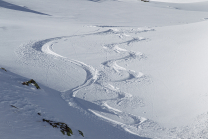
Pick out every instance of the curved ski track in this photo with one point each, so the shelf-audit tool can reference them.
(42, 51)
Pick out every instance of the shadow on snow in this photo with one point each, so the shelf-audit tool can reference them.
(7, 5)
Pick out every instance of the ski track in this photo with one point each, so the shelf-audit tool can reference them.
(42, 52)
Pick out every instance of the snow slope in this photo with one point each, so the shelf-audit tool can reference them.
(180, 1)
(20, 105)
(113, 69)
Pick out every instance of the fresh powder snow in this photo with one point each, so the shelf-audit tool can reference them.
(107, 69)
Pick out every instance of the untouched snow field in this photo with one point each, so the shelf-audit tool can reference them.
(113, 69)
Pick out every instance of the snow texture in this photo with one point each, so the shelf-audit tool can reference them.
(113, 69)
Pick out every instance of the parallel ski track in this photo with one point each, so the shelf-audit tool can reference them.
(93, 76)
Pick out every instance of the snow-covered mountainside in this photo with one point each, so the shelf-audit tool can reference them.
(180, 1)
(110, 69)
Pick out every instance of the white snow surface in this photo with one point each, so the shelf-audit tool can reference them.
(114, 69)
(180, 1)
